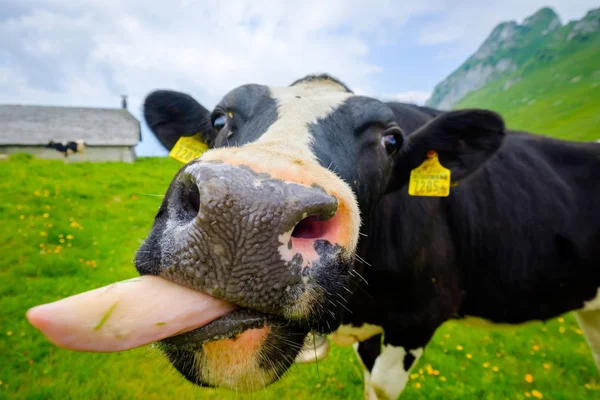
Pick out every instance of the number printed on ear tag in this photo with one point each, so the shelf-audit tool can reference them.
(188, 148)
(430, 179)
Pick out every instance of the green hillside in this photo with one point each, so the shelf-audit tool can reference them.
(68, 228)
(556, 93)
(552, 85)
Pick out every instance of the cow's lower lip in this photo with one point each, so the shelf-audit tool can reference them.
(224, 327)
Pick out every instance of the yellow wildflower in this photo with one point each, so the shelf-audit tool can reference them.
(537, 394)
(495, 368)
(418, 385)
(546, 366)
(469, 356)
(459, 347)
(529, 378)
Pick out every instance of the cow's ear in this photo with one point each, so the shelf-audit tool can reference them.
(171, 114)
(464, 140)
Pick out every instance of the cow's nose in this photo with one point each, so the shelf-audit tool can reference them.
(245, 209)
(209, 192)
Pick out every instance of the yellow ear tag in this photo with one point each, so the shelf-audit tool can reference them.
(188, 148)
(430, 179)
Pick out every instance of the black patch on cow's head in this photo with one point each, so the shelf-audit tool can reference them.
(348, 142)
(249, 110)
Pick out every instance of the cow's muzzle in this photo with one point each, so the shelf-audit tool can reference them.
(245, 237)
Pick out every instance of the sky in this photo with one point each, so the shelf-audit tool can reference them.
(87, 53)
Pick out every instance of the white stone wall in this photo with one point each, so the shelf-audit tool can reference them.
(91, 154)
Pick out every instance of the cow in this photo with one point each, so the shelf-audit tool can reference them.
(67, 148)
(300, 214)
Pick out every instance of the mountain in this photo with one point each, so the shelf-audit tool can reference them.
(540, 75)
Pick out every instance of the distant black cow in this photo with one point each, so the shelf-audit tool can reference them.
(270, 218)
(67, 148)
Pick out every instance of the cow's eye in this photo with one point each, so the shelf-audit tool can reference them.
(391, 144)
(219, 122)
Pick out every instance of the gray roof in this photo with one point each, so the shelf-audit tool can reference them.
(38, 125)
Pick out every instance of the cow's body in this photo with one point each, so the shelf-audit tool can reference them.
(513, 243)
(518, 238)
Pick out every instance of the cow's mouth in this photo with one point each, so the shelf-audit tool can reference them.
(243, 350)
(228, 326)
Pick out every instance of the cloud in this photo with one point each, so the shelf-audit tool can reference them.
(88, 53)
(413, 96)
(206, 47)
(469, 22)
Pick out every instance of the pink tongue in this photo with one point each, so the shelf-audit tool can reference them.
(125, 315)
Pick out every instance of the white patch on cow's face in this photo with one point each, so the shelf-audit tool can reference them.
(592, 304)
(388, 376)
(348, 334)
(297, 107)
(285, 151)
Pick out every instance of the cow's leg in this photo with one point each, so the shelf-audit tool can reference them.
(589, 321)
(392, 369)
(367, 352)
(315, 348)
(386, 368)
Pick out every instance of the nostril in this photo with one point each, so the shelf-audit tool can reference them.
(190, 198)
(310, 228)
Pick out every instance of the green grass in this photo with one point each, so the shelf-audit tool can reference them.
(68, 228)
(557, 96)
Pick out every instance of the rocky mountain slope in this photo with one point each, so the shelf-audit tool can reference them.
(513, 49)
